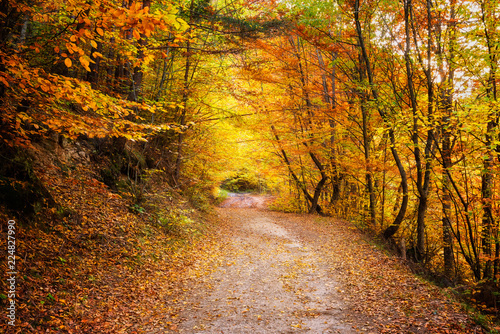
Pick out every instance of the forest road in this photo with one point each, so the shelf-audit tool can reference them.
(272, 279)
(274, 272)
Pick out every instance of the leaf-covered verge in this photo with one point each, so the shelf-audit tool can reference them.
(90, 259)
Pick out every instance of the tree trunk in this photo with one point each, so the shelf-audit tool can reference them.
(331, 100)
(368, 175)
(138, 74)
(423, 170)
(185, 98)
(445, 105)
(393, 228)
(490, 233)
(313, 201)
(449, 261)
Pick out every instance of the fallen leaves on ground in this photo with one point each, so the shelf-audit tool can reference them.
(90, 264)
(96, 266)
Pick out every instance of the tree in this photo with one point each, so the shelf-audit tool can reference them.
(392, 229)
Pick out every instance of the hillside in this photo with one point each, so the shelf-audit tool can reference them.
(89, 259)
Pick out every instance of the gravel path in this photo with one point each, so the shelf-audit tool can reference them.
(286, 273)
(235, 200)
(270, 282)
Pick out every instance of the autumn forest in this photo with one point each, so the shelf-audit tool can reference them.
(124, 123)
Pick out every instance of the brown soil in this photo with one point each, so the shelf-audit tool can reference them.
(285, 273)
(246, 201)
(270, 282)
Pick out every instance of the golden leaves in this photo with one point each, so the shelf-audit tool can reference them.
(85, 63)
(45, 88)
(77, 47)
(50, 94)
(73, 48)
(136, 34)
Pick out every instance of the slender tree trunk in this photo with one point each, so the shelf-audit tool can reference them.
(488, 237)
(445, 105)
(24, 30)
(338, 176)
(449, 260)
(319, 185)
(314, 206)
(490, 232)
(423, 169)
(393, 228)
(368, 175)
(310, 115)
(331, 100)
(138, 74)
(167, 67)
(185, 98)
(422, 204)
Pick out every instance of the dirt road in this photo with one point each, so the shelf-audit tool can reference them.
(235, 200)
(286, 273)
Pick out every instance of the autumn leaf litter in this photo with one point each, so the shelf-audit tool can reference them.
(253, 271)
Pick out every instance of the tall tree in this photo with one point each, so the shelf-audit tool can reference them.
(392, 229)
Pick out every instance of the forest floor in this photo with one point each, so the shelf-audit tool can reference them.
(245, 269)
(287, 273)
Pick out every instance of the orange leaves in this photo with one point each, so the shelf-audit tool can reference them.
(45, 88)
(85, 62)
(77, 34)
(73, 48)
(3, 79)
(136, 34)
(148, 28)
(48, 97)
(140, 19)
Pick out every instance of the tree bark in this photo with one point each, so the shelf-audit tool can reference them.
(490, 233)
(368, 175)
(185, 98)
(313, 201)
(138, 74)
(423, 169)
(445, 105)
(331, 100)
(393, 228)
